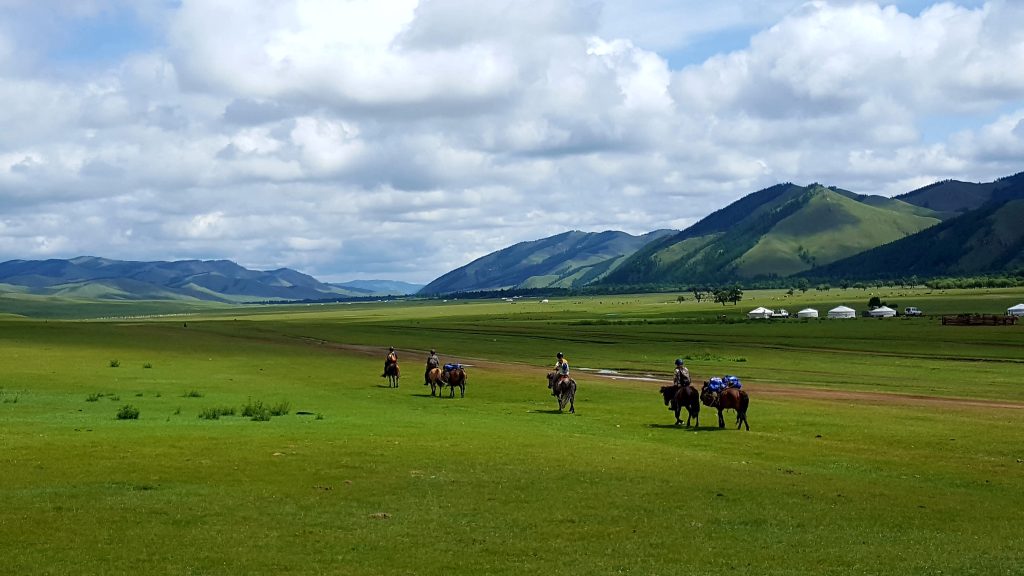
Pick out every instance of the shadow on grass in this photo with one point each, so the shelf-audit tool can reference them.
(683, 427)
(554, 411)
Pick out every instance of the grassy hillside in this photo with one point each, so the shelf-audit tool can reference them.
(828, 227)
(987, 240)
(779, 231)
(566, 260)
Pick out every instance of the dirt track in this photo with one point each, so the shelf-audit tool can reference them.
(762, 389)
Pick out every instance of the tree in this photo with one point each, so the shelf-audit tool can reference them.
(874, 302)
(722, 295)
(735, 294)
(803, 284)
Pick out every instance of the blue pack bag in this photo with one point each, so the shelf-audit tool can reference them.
(733, 382)
(716, 384)
(450, 367)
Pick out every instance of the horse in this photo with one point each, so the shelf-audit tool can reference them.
(564, 390)
(393, 373)
(436, 380)
(728, 399)
(455, 377)
(683, 396)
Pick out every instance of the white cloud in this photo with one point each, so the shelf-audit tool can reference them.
(402, 139)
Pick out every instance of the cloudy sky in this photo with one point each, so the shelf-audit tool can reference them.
(401, 139)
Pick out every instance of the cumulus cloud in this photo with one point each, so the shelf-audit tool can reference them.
(364, 139)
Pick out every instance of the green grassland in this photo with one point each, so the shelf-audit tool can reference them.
(358, 478)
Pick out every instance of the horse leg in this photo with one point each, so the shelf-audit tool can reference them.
(721, 421)
(572, 403)
(462, 391)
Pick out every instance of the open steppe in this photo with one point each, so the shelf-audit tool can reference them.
(889, 446)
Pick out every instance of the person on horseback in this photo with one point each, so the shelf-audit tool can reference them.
(392, 358)
(682, 376)
(432, 362)
(562, 369)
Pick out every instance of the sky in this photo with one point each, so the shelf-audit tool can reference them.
(400, 139)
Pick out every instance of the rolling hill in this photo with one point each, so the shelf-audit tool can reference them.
(93, 278)
(569, 260)
(988, 239)
(778, 231)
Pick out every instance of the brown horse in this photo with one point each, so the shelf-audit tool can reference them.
(728, 399)
(393, 373)
(455, 377)
(436, 380)
(678, 397)
(564, 389)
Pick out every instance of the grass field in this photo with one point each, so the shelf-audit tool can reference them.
(918, 472)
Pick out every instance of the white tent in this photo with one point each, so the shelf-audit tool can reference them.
(760, 313)
(842, 312)
(807, 313)
(882, 312)
(1017, 310)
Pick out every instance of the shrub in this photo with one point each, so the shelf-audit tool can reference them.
(147, 365)
(128, 412)
(193, 394)
(115, 363)
(93, 397)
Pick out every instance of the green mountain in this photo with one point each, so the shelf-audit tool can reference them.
(88, 277)
(568, 260)
(988, 239)
(779, 231)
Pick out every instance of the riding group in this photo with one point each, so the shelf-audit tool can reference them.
(719, 393)
(452, 375)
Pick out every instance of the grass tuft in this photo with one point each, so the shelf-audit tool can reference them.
(216, 412)
(193, 394)
(115, 363)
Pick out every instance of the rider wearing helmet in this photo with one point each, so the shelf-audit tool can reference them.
(561, 369)
(682, 376)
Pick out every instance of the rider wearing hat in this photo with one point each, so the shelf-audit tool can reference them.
(432, 362)
(392, 358)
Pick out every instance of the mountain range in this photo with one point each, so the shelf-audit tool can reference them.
(949, 228)
(944, 229)
(89, 277)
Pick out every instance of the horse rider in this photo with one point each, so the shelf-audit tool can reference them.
(392, 358)
(682, 376)
(432, 362)
(562, 370)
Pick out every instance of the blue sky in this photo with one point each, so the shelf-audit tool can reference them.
(363, 139)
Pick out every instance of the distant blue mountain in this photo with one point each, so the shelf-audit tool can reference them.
(214, 280)
(380, 287)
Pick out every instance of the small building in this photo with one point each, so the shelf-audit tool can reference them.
(1017, 310)
(759, 313)
(882, 312)
(842, 312)
(807, 313)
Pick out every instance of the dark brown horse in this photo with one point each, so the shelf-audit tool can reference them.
(392, 373)
(564, 389)
(455, 377)
(678, 397)
(728, 399)
(436, 380)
